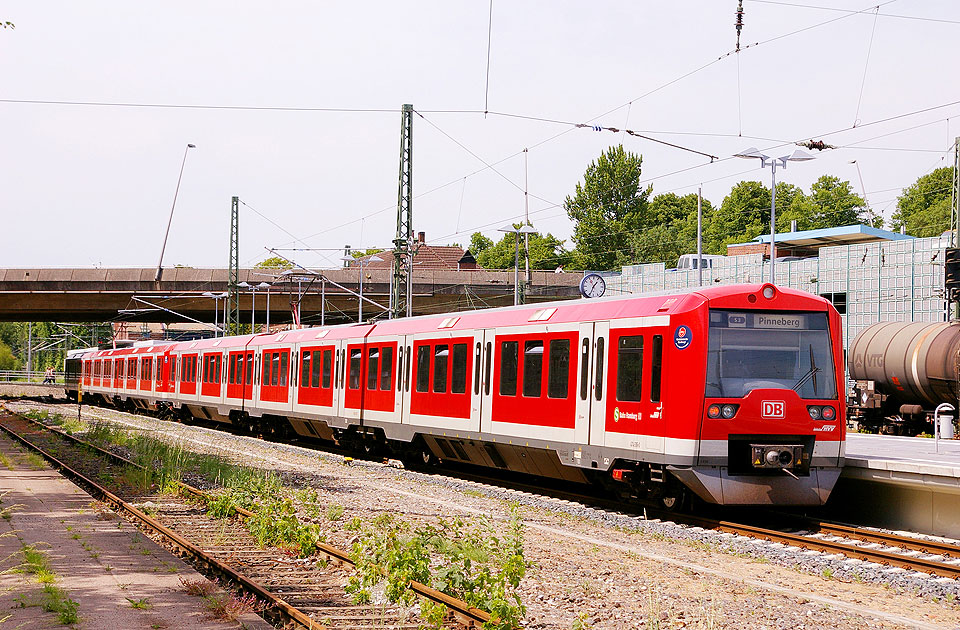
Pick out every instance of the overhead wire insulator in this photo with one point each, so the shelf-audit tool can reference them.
(819, 145)
(739, 22)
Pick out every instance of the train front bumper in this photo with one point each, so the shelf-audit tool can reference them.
(717, 485)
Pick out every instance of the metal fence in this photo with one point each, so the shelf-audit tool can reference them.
(22, 376)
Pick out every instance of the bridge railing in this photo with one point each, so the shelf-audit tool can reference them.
(23, 376)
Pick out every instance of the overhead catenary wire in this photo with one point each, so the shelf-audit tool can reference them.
(866, 65)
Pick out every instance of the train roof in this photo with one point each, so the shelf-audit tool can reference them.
(555, 312)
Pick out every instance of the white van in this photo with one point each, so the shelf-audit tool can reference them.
(689, 261)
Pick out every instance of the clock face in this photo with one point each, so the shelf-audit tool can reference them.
(592, 286)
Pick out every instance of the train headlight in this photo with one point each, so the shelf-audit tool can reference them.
(828, 413)
(728, 411)
(769, 292)
(713, 411)
(815, 412)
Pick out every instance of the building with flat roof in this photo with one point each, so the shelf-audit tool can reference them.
(869, 275)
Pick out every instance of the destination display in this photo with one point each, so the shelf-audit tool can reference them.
(767, 320)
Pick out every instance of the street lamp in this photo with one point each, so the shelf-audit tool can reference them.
(863, 189)
(253, 303)
(216, 308)
(526, 229)
(766, 160)
(156, 278)
(361, 262)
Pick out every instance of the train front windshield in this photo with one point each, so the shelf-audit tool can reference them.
(769, 350)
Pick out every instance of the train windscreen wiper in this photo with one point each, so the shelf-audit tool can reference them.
(812, 372)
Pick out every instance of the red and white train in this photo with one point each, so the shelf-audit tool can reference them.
(729, 392)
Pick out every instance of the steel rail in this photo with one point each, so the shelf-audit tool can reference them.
(924, 545)
(466, 614)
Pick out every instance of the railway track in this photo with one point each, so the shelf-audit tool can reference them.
(907, 552)
(305, 592)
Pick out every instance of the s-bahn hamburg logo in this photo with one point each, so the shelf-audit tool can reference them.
(681, 337)
(771, 409)
(616, 414)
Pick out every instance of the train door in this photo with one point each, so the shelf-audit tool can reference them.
(583, 384)
(487, 339)
(597, 380)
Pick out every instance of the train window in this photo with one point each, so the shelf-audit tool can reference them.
(486, 370)
(558, 368)
(373, 366)
(219, 362)
(326, 369)
(458, 384)
(440, 355)
(386, 367)
(305, 368)
(598, 371)
(406, 378)
(400, 368)
(584, 368)
(356, 357)
(159, 369)
(173, 370)
(283, 369)
(423, 368)
(249, 368)
(508, 367)
(310, 371)
(656, 368)
(476, 369)
(629, 368)
(232, 377)
(532, 368)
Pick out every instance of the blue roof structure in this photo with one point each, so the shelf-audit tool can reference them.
(843, 235)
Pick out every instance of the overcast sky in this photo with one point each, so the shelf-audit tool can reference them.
(84, 185)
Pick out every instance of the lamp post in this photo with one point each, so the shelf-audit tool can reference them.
(216, 308)
(159, 273)
(863, 189)
(361, 263)
(525, 230)
(765, 161)
(253, 288)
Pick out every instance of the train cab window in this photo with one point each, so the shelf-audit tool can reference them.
(476, 369)
(584, 368)
(458, 381)
(656, 367)
(305, 369)
(386, 367)
(440, 355)
(598, 371)
(508, 367)
(558, 368)
(486, 370)
(356, 357)
(326, 369)
(283, 368)
(532, 368)
(629, 368)
(423, 368)
(373, 366)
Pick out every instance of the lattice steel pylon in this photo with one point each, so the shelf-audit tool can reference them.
(232, 323)
(955, 197)
(401, 291)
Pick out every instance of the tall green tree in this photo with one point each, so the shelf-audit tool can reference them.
(546, 252)
(924, 206)
(831, 203)
(671, 230)
(479, 244)
(606, 208)
(743, 215)
(274, 262)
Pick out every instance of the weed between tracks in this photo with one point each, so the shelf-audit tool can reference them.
(466, 559)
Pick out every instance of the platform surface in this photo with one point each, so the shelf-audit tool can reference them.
(886, 456)
(119, 577)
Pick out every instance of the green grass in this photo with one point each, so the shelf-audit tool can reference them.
(34, 461)
(140, 604)
(5, 461)
(53, 598)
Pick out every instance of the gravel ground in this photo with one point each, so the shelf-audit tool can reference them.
(611, 570)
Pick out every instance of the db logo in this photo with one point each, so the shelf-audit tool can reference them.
(771, 409)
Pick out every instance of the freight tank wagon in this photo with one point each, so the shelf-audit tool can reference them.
(729, 393)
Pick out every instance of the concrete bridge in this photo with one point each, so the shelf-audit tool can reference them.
(97, 295)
